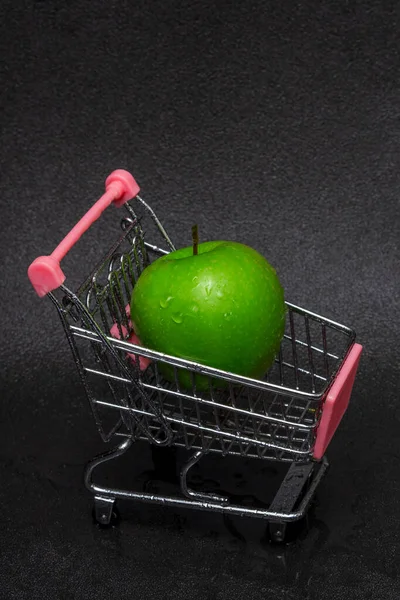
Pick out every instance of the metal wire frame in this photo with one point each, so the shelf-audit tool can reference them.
(276, 418)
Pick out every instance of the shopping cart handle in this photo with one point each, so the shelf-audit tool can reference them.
(45, 273)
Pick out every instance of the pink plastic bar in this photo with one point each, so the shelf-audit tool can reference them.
(337, 401)
(45, 272)
(132, 339)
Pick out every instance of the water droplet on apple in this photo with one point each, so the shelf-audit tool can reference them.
(165, 302)
(208, 289)
(195, 308)
(177, 318)
(195, 279)
(227, 315)
(219, 294)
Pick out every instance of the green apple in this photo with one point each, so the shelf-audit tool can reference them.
(223, 307)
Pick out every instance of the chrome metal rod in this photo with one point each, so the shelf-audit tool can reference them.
(178, 502)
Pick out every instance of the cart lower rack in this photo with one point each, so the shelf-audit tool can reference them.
(289, 417)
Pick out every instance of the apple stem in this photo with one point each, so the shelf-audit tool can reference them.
(195, 238)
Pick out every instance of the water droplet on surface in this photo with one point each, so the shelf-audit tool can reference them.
(219, 294)
(227, 315)
(195, 279)
(177, 318)
(195, 308)
(208, 289)
(166, 301)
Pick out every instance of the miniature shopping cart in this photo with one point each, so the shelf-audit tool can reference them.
(290, 416)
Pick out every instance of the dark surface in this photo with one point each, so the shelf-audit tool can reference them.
(271, 123)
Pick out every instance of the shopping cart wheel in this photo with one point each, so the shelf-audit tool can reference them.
(293, 489)
(286, 533)
(105, 513)
(277, 532)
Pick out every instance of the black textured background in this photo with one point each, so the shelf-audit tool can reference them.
(272, 123)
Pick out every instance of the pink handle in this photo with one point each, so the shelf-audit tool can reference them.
(337, 401)
(45, 272)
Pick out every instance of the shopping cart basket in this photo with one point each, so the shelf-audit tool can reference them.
(290, 416)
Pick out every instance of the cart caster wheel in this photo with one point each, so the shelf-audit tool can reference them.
(277, 532)
(114, 521)
(287, 533)
(105, 514)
